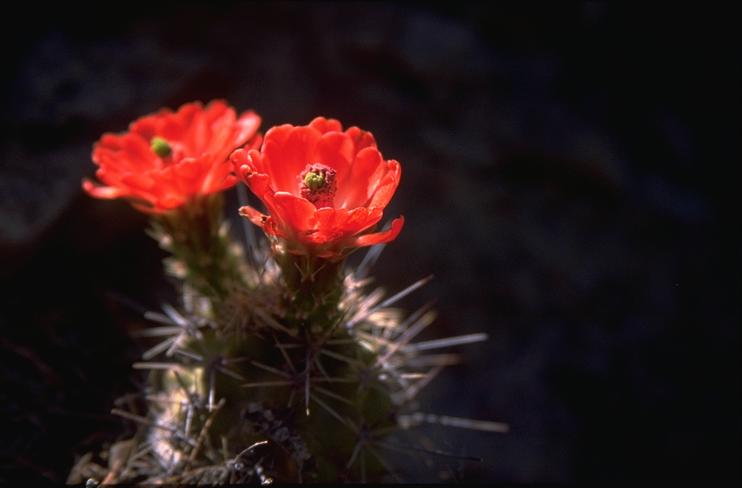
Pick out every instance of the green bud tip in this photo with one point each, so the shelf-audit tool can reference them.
(161, 147)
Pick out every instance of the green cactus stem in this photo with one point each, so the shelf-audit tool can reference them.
(290, 373)
(203, 254)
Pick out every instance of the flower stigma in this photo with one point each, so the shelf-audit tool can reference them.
(318, 185)
(161, 147)
(314, 181)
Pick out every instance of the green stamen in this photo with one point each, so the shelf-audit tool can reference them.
(161, 147)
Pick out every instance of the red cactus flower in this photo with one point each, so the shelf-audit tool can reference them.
(168, 158)
(323, 187)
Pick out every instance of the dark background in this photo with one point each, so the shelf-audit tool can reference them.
(570, 175)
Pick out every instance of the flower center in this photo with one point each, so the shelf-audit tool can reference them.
(317, 184)
(160, 147)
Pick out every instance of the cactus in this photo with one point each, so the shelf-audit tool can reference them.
(276, 365)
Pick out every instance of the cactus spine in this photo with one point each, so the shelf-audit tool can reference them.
(274, 367)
